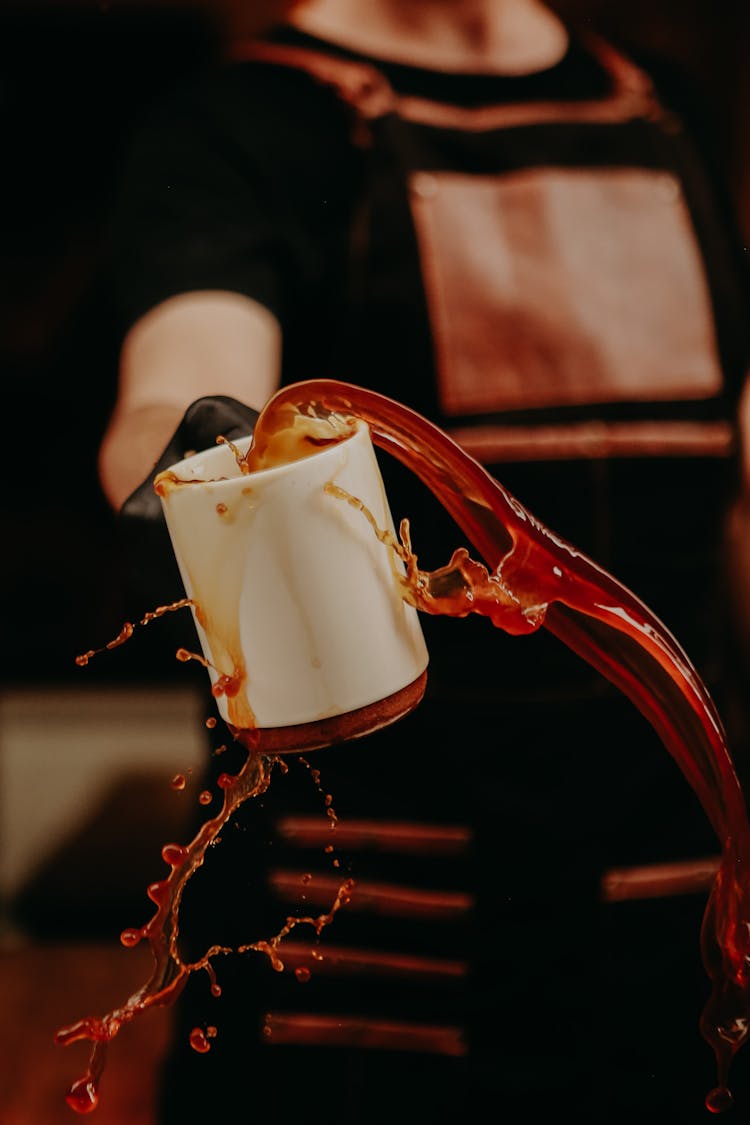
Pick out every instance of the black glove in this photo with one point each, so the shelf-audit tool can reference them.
(151, 573)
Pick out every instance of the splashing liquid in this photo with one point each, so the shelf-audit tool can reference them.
(529, 578)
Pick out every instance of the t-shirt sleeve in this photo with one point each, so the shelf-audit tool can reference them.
(237, 183)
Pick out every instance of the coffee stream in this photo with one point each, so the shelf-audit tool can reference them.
(528, 578)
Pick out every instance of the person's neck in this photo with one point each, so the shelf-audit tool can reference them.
(482, 36)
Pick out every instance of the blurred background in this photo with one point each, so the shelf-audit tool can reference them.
(87, 754)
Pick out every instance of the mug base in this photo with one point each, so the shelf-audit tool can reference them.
(335, 728)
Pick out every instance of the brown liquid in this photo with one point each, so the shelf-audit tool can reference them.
(528, 578)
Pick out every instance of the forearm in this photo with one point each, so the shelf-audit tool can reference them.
(194, 345)
(131, 446)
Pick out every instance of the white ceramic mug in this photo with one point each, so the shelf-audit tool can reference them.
(296, 602)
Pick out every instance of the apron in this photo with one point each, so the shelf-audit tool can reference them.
(556, 292)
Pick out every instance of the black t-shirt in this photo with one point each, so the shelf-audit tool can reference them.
(250, 181)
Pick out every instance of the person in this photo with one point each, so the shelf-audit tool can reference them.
(501, 221)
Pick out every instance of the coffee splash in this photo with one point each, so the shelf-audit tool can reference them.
(528, 578)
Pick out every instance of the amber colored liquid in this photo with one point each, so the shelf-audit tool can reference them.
(528, 578)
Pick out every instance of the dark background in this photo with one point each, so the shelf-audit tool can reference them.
(75, 79)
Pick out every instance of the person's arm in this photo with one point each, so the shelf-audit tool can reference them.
(194, 344)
